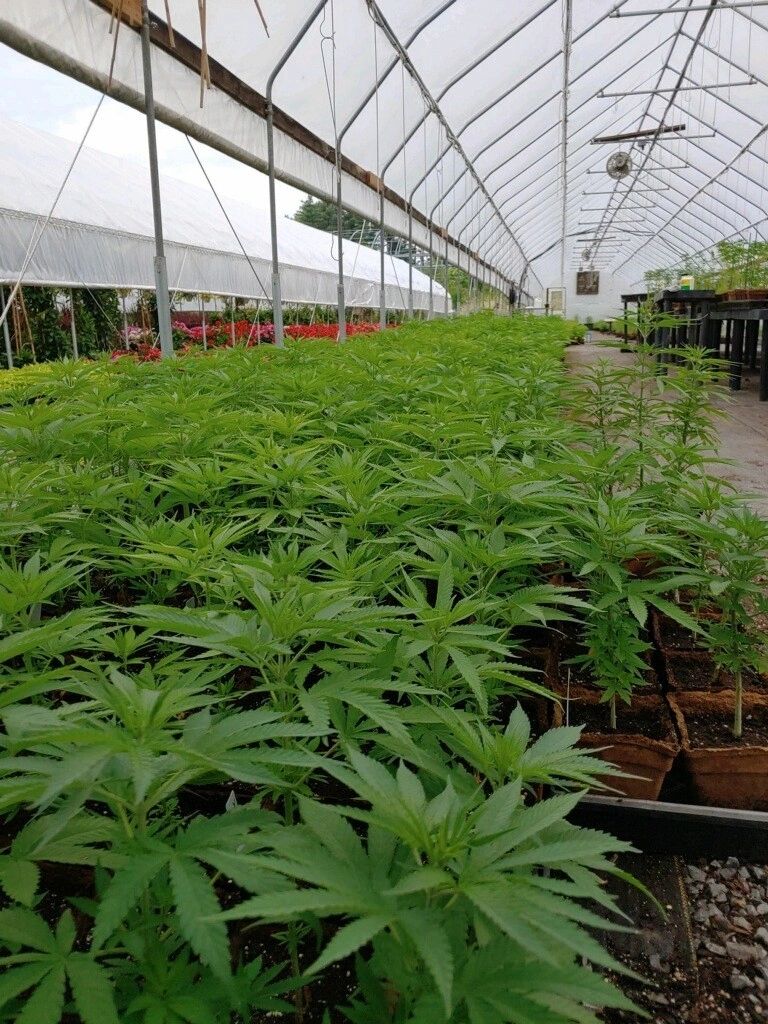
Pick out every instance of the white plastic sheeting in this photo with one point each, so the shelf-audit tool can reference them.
(101, 233)
(494, 71)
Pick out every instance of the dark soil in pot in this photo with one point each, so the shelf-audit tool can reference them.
(695, 670)
(705, 730)
(671, 636)
(724, 771)
(642, 718)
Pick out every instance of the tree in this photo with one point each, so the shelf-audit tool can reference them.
(104, 308)
(319, 213)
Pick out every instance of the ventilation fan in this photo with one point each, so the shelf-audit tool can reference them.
(619, 165)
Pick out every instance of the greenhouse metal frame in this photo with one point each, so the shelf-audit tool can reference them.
(434, 167)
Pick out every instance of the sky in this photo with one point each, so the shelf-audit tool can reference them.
(42, 98)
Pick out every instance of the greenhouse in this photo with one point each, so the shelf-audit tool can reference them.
(384, 512)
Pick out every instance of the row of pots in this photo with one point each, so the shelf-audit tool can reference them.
(727, 775)
(678, 731)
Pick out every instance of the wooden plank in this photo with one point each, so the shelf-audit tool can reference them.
(661, 948)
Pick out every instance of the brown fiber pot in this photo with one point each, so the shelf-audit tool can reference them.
(723, 776)
(649, 759)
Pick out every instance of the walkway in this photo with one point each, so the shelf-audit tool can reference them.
(743, 430)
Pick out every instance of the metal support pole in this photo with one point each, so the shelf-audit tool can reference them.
(737, 355)
(567, 32)
(232, 321)
(382, 292)
(750, 343)
(7, 333)
(277, 300)
(447, 292)
(431, 276)
(410, 262)
(161, 269)
(341, 302)
(72, 325)
(203, 324)
(125, 321)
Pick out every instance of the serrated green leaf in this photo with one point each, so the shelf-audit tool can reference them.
(24, 928)
(19, 879)
(46, 1003)
(123, 893)
(196, 908)
(349, 940)
(92, 990)
(428, 935)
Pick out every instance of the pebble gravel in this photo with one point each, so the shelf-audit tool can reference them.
(729, 921)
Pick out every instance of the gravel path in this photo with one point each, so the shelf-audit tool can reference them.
(729, 911)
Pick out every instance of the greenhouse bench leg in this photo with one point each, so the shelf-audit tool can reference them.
(737, 355)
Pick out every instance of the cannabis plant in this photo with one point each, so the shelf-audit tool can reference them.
(739, 553)
(438, 896)
(264, 617)
(603, 538)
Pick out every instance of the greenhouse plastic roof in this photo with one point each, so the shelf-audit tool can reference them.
(102, 233)
(466, 122)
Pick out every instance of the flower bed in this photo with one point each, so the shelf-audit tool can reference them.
(225, 334)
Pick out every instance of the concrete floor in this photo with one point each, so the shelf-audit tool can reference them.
(743, 430)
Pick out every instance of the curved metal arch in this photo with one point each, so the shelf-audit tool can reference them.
(493, 49)
(713, 198)
(604, 227)
(680, 227)
(277, 308)
(468, 70)
(744, 149)
(546, 102)
(384, 24)
(680, 230)
(733, 106)
(624, 113)
(549, 152)
(392, 65)
(532, 74)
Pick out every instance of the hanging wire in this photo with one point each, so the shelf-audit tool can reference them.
(730, 55)
(330, 89)
(226, 215)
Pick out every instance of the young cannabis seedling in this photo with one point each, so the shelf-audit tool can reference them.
(739, 550)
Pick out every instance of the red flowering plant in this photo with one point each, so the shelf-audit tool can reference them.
(219, 334)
